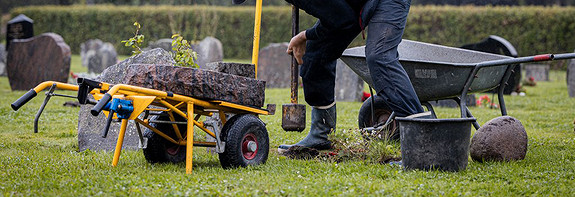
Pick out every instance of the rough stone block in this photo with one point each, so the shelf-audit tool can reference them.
(244, 70)
(42, 58)
(501, 139)
(539, 72)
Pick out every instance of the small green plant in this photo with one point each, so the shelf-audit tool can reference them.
(136, 41)
(183, 53)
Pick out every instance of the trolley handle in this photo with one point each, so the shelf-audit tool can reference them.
(23, 99)
(101, 104)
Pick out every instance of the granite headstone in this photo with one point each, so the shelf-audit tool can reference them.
(209, 50)
(348, 86)
(20, 27)
(98, 55)
(539, 72)
(571, 77)
(34, 60)
(274, 65)
(2, 60)
(471, 101)
(164, 43)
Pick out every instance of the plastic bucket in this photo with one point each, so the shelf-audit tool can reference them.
(435, 144)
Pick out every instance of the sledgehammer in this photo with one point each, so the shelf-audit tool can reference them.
(293, 114)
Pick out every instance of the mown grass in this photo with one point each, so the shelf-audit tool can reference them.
(48, 163)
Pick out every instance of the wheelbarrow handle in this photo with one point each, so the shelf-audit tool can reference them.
(101, 104)
(536, 58)
(23, 99)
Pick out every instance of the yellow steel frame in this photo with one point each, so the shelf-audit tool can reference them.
(142, 98)
(184, 106)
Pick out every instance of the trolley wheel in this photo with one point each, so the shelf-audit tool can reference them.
(160, 150)
(247, 142)
(380, 116)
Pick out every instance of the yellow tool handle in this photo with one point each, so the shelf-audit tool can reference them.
(257, 25)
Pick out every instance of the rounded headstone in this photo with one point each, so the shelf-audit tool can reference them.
(2, 60)
(501, 139)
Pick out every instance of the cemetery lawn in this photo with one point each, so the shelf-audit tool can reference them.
(48, 163)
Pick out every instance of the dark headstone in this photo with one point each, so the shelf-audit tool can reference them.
(90, 127)
(571, 77)
(348, 86)
(471, 101)
(539, 72)
(501, 139)
(164, 43)
(209, 50)
(2, 60)
(42, 58)
(274, 65)
(20, 27)
(98, 55)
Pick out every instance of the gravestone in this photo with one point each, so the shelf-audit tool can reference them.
(164, 43)
(274, 65)
(34, 60)
(209, 50)
(571, 77)
(539, 72)
(98, 55)
(348, 86)
(2, 60)
(20, 27)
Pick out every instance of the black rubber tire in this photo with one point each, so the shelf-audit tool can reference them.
(160, 150)
(234, 133)
(381, 114)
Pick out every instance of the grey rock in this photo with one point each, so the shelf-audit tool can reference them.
(34, 60)
(2, 60)
(501, 139)
(348, 86)
(539, 72)
(274, 65)
(571, 77)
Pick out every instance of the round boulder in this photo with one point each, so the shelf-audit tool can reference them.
(501, 139)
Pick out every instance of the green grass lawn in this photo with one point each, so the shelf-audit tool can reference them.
(48, 163)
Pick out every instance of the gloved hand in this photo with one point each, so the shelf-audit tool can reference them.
(296, 47)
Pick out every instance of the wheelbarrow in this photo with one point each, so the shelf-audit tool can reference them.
(440, 72)
(241, 140)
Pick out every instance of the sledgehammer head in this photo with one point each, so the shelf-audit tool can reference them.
(293, 117)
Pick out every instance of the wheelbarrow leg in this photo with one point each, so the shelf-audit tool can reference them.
(468, 112)
(120, 142)
(190, 138)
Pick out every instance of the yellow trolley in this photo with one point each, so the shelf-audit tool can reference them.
(170, 118)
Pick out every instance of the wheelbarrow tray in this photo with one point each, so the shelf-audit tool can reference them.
(436, 72)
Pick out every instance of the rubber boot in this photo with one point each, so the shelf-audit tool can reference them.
(322, 123)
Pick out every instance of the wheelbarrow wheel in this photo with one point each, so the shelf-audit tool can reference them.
(247, 142)
(160, 150)
(381, 113)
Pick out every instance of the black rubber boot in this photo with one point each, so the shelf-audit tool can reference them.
(322, 123)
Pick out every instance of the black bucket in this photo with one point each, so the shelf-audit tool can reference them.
(435, 144)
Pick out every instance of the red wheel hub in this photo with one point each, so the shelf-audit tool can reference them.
(249, 146)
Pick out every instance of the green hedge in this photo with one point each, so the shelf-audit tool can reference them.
(531, 30)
